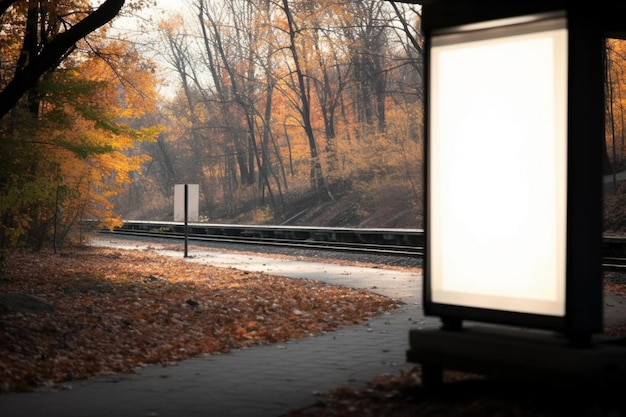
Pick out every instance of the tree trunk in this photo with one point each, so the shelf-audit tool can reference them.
(317, 177)
(53, 53)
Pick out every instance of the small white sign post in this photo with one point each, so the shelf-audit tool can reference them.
(186, 205)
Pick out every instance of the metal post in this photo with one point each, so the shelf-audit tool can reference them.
(186, 215)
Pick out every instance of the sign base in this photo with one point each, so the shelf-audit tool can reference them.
(495, 351)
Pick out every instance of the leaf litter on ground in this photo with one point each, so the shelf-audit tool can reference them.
(118, 310)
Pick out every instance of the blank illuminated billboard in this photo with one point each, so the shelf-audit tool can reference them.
(497, 167)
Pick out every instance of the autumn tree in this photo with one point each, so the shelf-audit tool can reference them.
(302, 87)
(204, 128)
(225, 102)
(615, 92)
(268, 101)
(49, 32)
(365, 28)
(61, 144)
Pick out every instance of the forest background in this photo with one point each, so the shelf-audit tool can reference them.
(283, 111)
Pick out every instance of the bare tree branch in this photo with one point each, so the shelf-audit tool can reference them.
(53, 52)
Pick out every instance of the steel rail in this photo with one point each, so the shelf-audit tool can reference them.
(292, 243)
(614, 264)
(615, 260)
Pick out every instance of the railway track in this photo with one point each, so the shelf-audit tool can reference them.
(263, 239)
(400, 242)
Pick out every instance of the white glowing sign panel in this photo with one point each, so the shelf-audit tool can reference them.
(193, 202)
(497, 171)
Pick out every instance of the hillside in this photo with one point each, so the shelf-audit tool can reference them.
(376, 207)
(383, 208)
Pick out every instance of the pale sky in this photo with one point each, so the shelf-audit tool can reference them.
(142, 29)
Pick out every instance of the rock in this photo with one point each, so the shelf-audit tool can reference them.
(23, 303)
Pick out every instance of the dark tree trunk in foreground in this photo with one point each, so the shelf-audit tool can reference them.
(53, 52)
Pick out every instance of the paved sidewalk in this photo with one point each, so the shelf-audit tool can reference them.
(259, 381)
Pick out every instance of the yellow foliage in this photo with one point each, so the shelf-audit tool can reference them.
(111, 223)
(65, 165)
(262, 215)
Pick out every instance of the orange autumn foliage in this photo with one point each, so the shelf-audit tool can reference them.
(64, 165)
